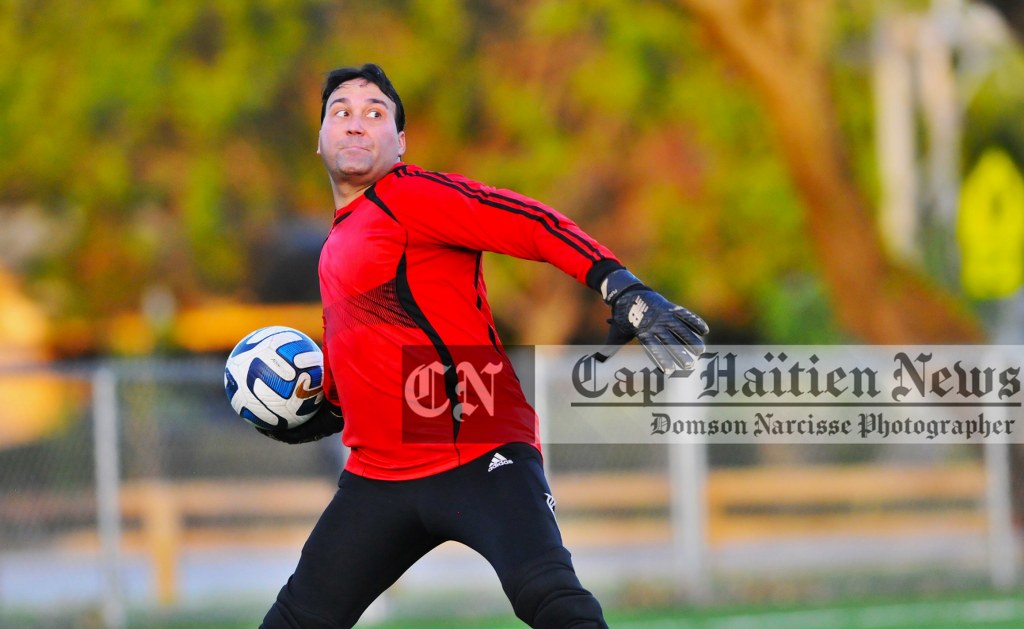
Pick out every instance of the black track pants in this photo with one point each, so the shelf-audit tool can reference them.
(373, 531)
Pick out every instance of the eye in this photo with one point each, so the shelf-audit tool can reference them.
(341, 113)
(375, 114)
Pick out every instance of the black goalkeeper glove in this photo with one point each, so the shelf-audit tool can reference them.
(671, 334)
(327, 421)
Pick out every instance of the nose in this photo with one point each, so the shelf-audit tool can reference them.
(354, 126)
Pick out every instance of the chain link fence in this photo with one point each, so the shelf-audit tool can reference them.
(207, 514)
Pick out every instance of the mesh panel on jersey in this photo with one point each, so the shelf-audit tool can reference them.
(376, 306)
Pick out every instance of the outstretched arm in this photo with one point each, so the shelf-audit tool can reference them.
(454, 210)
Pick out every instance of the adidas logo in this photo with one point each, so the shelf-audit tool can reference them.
(497, 461)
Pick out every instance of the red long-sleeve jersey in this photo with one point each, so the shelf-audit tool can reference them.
(411, 354)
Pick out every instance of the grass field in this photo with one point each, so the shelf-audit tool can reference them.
(990, 612)
(984, 611)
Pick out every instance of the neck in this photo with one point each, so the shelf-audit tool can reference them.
(348, 189)
(345, 194)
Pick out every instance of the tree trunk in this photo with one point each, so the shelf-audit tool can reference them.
(779, 46)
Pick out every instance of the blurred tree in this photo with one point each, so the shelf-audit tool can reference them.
(781, 46)
(161, 136)
(598, 117)
(170, 140)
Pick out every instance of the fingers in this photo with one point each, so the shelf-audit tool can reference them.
(673, 342)
(691, 320)
(686, 336)
(659, 354)
(680, 355)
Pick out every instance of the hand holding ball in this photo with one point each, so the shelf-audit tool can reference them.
(274, 378)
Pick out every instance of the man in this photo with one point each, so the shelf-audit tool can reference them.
(404, 302)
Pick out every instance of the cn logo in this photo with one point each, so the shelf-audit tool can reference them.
(425, 394)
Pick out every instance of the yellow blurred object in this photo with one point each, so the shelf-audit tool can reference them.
(130, 335)
(214, 327)
(31, 404)
(991, 227)
(220, 326)
(22, 324)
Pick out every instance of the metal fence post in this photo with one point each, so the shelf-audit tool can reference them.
(1002, 546)
(688, 481)
(108, 508)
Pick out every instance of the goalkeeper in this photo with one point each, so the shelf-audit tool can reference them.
(404, 299)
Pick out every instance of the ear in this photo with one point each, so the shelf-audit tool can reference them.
(401, 143)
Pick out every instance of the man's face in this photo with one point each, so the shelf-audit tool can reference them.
(359, 142)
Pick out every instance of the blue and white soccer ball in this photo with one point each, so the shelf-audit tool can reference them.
(274, 377)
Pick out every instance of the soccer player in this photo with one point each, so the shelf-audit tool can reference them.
(405, 308)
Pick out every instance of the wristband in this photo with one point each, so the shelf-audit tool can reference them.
(617, 282)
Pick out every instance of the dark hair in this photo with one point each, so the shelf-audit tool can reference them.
(372, 73)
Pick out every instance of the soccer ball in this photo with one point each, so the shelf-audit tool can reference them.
(274, 377)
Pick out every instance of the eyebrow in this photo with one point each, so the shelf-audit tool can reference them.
(345, 100)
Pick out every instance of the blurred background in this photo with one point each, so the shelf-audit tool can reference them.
(796, 171)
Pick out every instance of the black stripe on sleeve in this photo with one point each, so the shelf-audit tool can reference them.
(533, 212)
